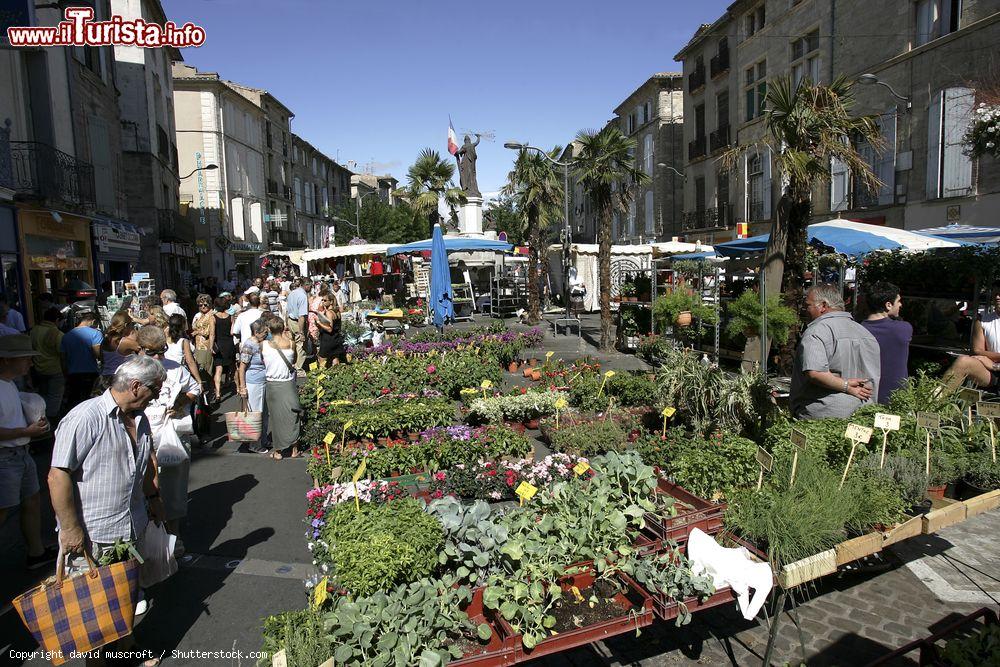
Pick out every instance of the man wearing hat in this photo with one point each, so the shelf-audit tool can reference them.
(18, 475)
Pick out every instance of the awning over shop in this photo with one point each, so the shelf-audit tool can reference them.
(966, 233)
(453, 244)
(334, 252)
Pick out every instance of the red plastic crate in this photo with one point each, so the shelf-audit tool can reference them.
(702, 514)
(500, 649)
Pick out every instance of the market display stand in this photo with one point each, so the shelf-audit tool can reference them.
(928, 646)
(507, 296)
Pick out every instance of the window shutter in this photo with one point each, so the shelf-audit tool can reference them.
(838, 185)
(887, 164)
(239, 231)
(766, 164)
(934, 147)
(958, 103)
(649, 211)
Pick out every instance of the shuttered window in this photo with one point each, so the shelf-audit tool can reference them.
(949, 169)
(648, 210)
(647, 153)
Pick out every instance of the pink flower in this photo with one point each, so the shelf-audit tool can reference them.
(431, 369)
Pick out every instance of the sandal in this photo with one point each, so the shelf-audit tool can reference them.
(296, 454)
(276, 456)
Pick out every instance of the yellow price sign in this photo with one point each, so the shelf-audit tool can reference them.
(320, 594)
(343, 435)
(329, 438)
(525, 491)
(485, 384)
(313, 366)
(668, 412)
(357, 475)
(607, 376)
(561, 404)
(576, 593)
(548, 355)
(320, 392)
(581, 468)
(320, 377)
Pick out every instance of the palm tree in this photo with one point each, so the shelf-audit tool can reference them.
(605, 165)
(429, 180)
(537, 193)
(807, 126)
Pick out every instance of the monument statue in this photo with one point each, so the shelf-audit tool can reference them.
(466, 157)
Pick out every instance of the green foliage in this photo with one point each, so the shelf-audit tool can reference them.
(377, 418)
(907, 474)
(654, 348)
(948, 271)
(715, 468)
(301, 634)
(669, 573)
(517, 408)
(982, 472)
(628, 389)
(589, 438)
(472, 538)
(745, 317)
(976, 649)
(878, 501)
(681, 299)
(502, 215)
(380, 222)
(708, 399)
(375, 547)
(412, 624)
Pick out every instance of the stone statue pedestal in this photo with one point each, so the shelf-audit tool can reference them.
(470, 218)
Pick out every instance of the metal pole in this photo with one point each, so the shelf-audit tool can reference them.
(773, 631)
(567, 241)
(718, 312)
(763, 324)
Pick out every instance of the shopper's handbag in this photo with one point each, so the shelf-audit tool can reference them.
(202, 416)
(83, 612)
(244, 426)
(158, 562)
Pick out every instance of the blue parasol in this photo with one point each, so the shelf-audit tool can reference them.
(441, 303)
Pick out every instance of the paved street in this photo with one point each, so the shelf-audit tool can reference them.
(247, 558)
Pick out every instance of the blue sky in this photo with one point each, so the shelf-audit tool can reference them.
(374, 82)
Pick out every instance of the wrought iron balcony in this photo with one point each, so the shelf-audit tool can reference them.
(711, 219)
(755, 211)
(6, 168)
(696, 79)
(696, 148)
(174, 226)
(719, 64)
(719, 139)
(40, 171)
(287, 238)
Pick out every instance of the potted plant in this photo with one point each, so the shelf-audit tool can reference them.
(627, 290)
(628, 328)
(745, 317)
(982, 475)
(643, 287)
(679, 306)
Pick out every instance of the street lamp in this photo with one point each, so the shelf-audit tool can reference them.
(872, 80)
(357, 213)
(207, 167)
(567, 232)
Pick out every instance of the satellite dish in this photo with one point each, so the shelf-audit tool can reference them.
(502, 236)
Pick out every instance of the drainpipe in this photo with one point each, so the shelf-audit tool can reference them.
(225, 174)
(833, 32)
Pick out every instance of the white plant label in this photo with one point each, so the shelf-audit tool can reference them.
(858, 433)
(886, 422)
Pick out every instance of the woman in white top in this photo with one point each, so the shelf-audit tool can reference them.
(983, 367)
(179, 347)
(281, 396)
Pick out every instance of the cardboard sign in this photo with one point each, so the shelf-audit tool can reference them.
(858, 433)
(886, 422)
(954, 382)
(928, 420)
(988, 410)
(581, 468)
(970, 396)
(668, 412)
(313, 366)
(485, 384)
(525, 491)
(320, 593)
(798, 439)
(329, 438)
(765, 459)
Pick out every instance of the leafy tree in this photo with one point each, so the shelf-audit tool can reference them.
(379, 222)
(502, 215)
(606, 168)
(806, 126)
(428, 183)
(537, 191)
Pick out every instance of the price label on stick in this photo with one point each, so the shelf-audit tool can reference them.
(668, 412)
(929, 420)
(988, 410)
(765, 459)
(485, 384)
(548, 355)
(798, 439)
(581, 468)
(858, 433)
(321, 377)
(329, 438)
(886, 422)
(320, 392)
(354, 480)
(313, 366)
(525, 491)
(320, 593)
(561, 404)
(970, 396)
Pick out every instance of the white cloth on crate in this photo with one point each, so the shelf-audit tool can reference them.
(731, 567)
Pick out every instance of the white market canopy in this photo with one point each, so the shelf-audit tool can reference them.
(335, 252)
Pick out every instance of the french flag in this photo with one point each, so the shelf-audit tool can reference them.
(452, 138)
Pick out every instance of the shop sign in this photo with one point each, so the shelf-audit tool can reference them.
(246, 246)
(108, 236)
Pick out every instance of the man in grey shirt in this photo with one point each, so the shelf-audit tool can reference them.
(837, 364)
(297, 312)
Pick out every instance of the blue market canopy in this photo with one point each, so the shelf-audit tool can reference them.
(966, 233)
(704, 255)
(847, 238)
(453, 244)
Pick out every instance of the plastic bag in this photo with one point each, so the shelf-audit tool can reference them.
(158, 554)
(183, 425)
(33, 406)
(170, 451)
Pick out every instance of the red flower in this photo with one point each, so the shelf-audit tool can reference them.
(431, 369)
(385, 390)
(322, 411)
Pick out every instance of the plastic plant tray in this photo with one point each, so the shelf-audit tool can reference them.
(699, 513)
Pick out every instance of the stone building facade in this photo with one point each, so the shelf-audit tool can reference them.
(313, 176)
(933, 54)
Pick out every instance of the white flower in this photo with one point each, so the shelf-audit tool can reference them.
(990, 144)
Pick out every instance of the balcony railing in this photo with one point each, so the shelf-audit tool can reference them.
(719, 64)
(174, 226)
(41, 171)
(696, 148)
(755, 211)
(711, 219)
(719, 139)
(696, 79)
(287, 238)
(6, 168)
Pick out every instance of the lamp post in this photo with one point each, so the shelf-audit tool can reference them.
(872, 80)
(357, 213)
(567, 234)
(207, 167)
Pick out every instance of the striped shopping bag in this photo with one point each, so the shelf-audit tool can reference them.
(83, 612)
